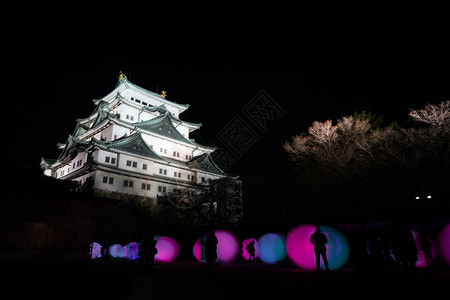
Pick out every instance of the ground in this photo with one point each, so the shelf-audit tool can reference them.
(119, 279)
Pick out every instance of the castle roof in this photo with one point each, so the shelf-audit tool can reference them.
(133, 144)
(162, 125)
(205, 162)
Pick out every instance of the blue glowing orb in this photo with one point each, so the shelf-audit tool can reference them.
(115, 250)
(272, 248)
(301, 251)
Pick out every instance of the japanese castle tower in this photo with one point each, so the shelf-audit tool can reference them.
(134, 143)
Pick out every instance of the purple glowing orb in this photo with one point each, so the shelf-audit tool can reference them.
(130, 251)
(244, 250)
(227, 247)
(443, 243)
(168, 249)
(272, 248)
(301, 251)
(96, 250)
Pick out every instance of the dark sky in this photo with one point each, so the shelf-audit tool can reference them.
(315, 63)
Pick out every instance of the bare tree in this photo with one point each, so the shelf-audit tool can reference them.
(339, 157)
(436, 115)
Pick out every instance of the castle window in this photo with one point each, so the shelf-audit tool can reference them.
(134, 164)
(128, 163)
(113, 160)
(107, 179)
(146, 186)
(128, 183)
(107, 159)
(144, 166)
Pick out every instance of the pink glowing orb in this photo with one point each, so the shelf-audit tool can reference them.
(115, 250)
(301, 251)
(96, 250)
(168, 249)
(443, 243)
(227, 247)
(272, 248)
(244, 251)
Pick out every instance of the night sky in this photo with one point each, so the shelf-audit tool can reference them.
(314, 63)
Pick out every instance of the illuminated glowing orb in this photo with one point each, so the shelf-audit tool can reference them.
(227, 247)
(244, 252)
(96, 250)
(115, 250)
(272, 248)
(301, 251)
(168, 248)
(443, 243)
(130, 251)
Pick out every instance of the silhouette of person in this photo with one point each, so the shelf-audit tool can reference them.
(210, 250)
(405, 248)
(251, 250)
(154, 250)
(144, 253)
(147, 252)
(319, 239)
(203, 243)
(426, 247)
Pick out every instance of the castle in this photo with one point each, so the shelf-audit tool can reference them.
(135, 144)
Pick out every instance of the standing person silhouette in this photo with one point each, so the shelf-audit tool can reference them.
(319, 239)
(251, 251)
(153, 250)
(211, 250)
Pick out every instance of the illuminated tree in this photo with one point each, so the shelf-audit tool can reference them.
(435, 115)
(335, 161)
(422, 153)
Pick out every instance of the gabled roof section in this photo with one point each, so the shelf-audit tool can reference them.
(205, 162)
(72, 146)
(133, 144)
(162, 125)
(123, 83)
